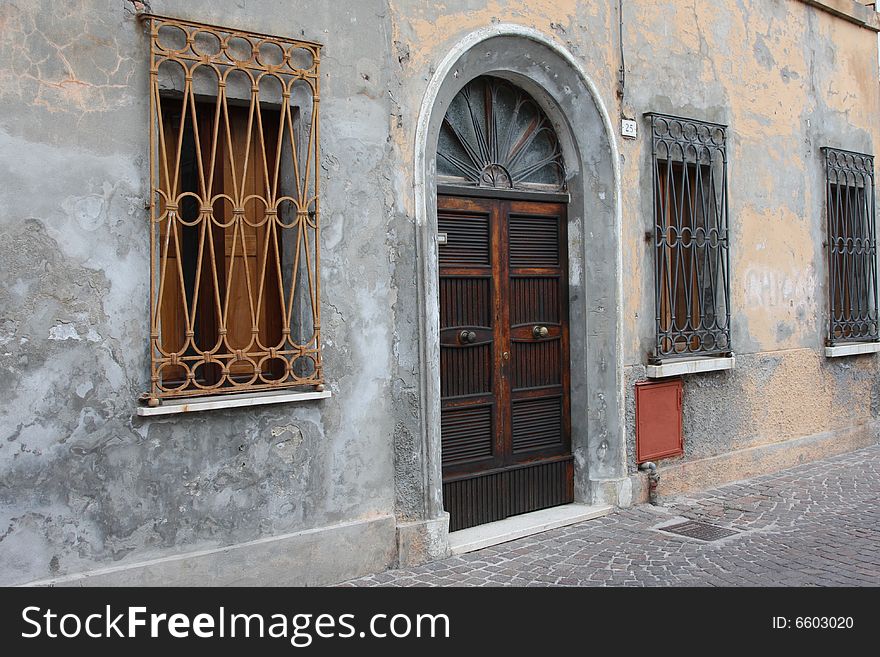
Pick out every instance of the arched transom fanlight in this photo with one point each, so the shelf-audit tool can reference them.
(495, 135)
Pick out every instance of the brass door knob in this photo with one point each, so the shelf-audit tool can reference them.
(467, 337)
(540, 331)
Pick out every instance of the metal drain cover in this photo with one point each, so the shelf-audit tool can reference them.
(702, 531)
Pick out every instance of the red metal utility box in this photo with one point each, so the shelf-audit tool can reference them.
(658, 420)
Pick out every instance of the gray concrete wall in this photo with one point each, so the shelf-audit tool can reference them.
(85, 485)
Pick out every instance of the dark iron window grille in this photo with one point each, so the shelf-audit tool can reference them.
(852, 246)
(690, 238)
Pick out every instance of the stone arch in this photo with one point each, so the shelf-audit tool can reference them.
(551, 75)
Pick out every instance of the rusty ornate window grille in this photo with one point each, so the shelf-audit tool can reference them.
(495, 135)
(690, 238)
(852, 246)
(234, 213)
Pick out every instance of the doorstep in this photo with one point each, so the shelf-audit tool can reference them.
(527, 524)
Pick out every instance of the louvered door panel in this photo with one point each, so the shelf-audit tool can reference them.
(538, 331)
(467, 240)
(534, 241)
(467, 433)
(537, 423)
(470, 423)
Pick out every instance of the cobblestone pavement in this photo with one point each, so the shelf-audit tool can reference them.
(813, 525)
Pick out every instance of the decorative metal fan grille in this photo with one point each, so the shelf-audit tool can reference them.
(495, 135)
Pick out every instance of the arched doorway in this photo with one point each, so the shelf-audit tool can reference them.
(503, 298)
(556, 80)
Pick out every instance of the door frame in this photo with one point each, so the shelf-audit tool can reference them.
(571, 100)
(506, 483)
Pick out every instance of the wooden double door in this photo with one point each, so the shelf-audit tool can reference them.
(504, 358)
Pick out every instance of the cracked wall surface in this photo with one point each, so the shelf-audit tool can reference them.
(86, 484)
(788, 80)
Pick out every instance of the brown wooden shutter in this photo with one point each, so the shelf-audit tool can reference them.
(242, 269)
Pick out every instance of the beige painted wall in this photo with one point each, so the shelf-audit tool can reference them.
(788, 78)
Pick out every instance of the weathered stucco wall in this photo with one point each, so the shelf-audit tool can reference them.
(788, 79)
(85, 484)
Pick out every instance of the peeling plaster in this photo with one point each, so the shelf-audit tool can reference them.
(87, 485)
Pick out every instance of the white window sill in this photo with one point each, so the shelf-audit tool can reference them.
(852, 349)
(690, 366)
(229, 401)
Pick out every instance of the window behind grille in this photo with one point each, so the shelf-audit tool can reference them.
(852, 252)
(240, 266)
(234, 211)
(690, 238)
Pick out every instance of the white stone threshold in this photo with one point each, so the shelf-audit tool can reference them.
(690, 366)
(527, 524)
(229, 401)
(852, 349)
